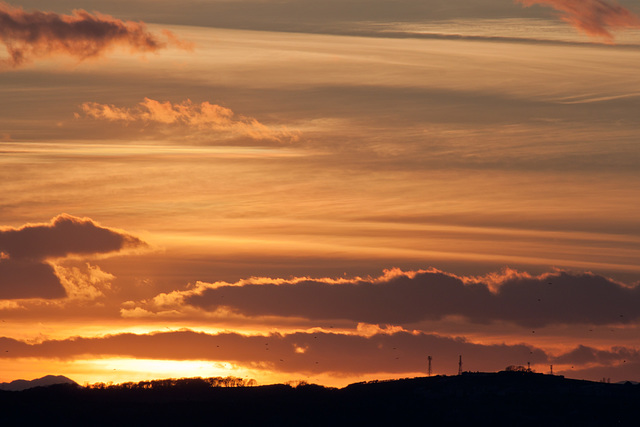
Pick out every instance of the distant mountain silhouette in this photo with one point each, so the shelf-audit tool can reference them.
(45, 381)
(472, 399)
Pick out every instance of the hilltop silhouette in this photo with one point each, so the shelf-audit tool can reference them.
(503, 398)
(47, 380)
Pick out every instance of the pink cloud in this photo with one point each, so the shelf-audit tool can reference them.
(36, 34)
(596, 18)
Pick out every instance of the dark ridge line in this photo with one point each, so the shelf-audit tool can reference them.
(470, 399)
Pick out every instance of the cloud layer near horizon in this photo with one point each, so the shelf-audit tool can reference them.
(37, 34)
(296, 352)
(596, 18)
(315, 352)
(409, 297)
(24, 270)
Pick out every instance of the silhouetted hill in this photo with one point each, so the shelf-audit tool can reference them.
(48, 380)
(504, 399)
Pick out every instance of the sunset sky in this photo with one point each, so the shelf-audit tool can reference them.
(328, 191)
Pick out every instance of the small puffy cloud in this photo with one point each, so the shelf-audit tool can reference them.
(84, 283)
(28, 35)
(25, 270)
(593, 17)
(202, 117)
(401, 298)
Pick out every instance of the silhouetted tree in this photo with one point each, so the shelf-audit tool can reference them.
(516, 368)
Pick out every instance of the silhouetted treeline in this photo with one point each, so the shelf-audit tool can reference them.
(178, 384)
(497, 399)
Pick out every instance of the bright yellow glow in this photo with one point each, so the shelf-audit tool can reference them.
(120, 370)
(152, 368)
(117, 370)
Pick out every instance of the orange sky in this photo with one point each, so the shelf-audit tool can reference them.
(323, 196)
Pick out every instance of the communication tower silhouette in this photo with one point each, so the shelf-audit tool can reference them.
(429, 371)
(460, 365)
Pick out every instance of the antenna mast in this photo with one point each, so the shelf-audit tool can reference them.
(429, 371)
(460, 365)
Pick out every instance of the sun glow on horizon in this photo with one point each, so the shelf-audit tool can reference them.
(122, 370)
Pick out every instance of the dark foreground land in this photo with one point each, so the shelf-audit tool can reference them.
(504, 398)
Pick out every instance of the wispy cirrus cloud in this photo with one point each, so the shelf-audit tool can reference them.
(28, 35)
(25, 270)
(594, 17)
(401, 298)
(204, 116)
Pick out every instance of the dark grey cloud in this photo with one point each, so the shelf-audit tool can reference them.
(64, 235)
(24, 270)
(29, 279)
(557, 298)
